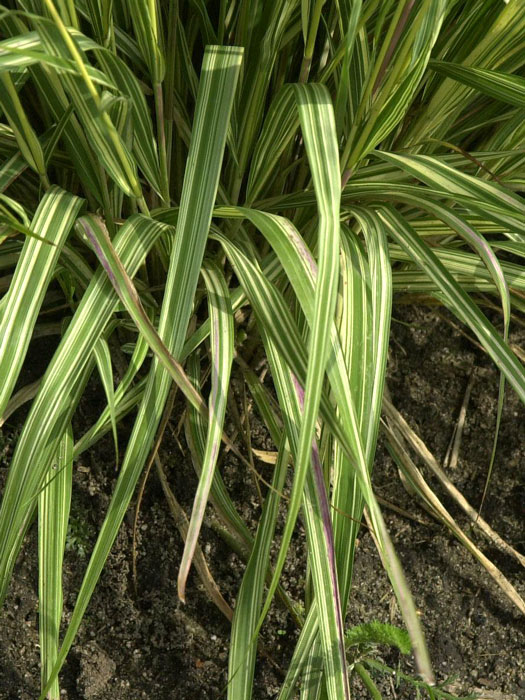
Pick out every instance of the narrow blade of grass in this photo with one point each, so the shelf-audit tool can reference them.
(103, 359)
(241, 662)
(221, 342)
(53, 516)
(279, 128)
(501, 86)
(486, 198)
(27, 140)
(98, 236)
(52, 222)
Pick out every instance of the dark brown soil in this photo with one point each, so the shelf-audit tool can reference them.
(148, 645)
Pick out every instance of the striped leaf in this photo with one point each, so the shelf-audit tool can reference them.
(196, 432)
(103, 360)
(52, 222)
(221, 343)
(101, 16)
(98, 236)
(276, 321)
(26, 138)
(485, 198)
(53, 516)
(11, 169)
(62, 65)
(501, 86)
(144, 15)
(279, 128)
(249, 600)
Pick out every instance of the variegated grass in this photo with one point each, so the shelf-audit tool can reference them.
(284, 167)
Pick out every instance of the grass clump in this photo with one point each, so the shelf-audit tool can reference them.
(242, 183)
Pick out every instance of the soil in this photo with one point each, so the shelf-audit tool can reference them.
(146, 644)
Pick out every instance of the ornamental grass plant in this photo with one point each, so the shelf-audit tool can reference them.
(238, 185)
